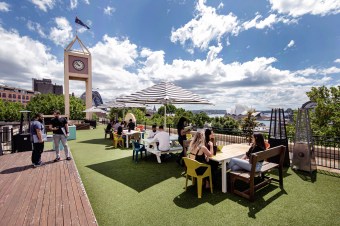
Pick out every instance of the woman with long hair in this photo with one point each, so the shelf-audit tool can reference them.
(199, 152)
(243, 163)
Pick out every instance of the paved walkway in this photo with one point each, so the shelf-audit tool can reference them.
(52, 194)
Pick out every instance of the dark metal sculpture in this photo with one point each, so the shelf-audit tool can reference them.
(277, 134)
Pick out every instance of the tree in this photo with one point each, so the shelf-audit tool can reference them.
(326, 116)
(248, 124)
(47, 103)
(170, 109)
(200, 118)
(10, 111)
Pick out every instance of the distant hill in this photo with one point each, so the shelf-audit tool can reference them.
(213, 111)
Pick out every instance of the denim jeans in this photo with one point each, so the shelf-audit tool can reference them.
(239, 164)
(57, 138)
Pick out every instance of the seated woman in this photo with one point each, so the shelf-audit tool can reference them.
(199, 152)
(210, 143)
(243, 163)
(108, 129)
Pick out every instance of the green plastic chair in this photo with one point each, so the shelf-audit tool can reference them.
(193, 168)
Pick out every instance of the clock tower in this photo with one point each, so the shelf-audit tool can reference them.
(77, 66)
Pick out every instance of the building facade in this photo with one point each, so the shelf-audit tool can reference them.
(45, 86)
(13, 94)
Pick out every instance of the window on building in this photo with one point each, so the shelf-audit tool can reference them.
(27, 97)
(19, 96)
(9, 95)
(14, 96)
(4, 95)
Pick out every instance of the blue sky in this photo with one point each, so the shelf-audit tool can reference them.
(263, 54)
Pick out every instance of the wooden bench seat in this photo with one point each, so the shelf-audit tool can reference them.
(249, 177)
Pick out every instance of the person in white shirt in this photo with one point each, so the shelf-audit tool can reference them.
(163, 139)
(153, 132)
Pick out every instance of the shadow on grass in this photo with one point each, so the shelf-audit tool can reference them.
(328, 173)
(259, 203)
(99, 141)
(188, 199)
(138, 176)
(306, 176)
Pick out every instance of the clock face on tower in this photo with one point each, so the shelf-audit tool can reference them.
(78, 65)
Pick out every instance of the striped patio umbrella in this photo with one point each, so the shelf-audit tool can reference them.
(163, 93)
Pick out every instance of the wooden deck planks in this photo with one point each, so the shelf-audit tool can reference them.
(48, 195)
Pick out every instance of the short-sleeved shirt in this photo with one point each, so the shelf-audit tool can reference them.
(36, 125)
(152, 134)
(163, 139)
(131, 125)
(59, 123)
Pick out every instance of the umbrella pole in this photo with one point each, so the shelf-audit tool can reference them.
(164, 116)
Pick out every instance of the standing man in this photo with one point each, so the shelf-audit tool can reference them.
(60, 133)
(38, 135)
(131, 125)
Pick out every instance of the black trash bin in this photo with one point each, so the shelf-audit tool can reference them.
(22, 142)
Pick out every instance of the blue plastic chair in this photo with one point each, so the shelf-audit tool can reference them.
(137, 147)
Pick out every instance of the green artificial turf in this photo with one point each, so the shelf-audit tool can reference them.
(122, 192)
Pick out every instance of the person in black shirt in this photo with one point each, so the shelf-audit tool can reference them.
(182, 137)
(243, 163)
(131, 125)
(60, 133)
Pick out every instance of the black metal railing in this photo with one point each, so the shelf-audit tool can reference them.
(326, 149)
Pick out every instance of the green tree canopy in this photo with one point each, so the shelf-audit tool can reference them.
(47, 103)
(10, 111)
(326, 116)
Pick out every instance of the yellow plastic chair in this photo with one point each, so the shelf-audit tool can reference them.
(192, 168)
(189, 136)
(219, 148)
(117, 138)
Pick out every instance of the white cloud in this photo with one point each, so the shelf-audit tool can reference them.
(317, 71)
(121, 67)
(109, 10)
(337, 61)
(297, 8)
(73, 4)
(4, 7)
(290, 44)
(44, 4)
(87, 2)
(267, 22)
(33, 26)
(62, 34)
(34, 60)
(205, 27)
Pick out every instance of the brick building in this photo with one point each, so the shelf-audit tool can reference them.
(13, 94)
